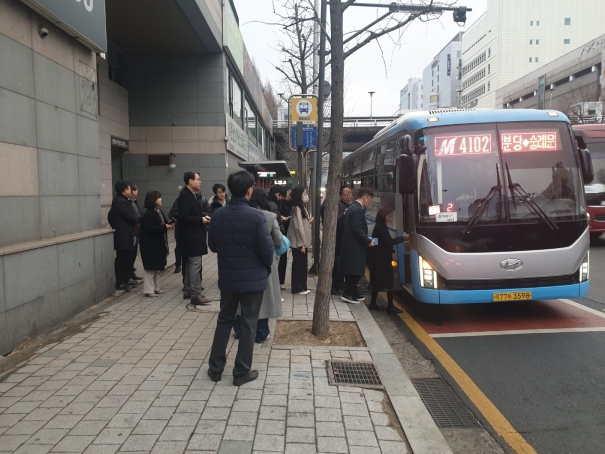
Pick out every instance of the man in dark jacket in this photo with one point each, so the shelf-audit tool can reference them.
(122, 219)
(355, 242)
(346, 197)
(192, 237)
(240, 237)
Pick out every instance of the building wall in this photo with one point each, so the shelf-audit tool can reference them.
(411, 95)
(177, 105)
(435, 78)
(113, 121)
(509, 30)
(50, 178)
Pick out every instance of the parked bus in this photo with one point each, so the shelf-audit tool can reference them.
(592, 136)
(493, 201)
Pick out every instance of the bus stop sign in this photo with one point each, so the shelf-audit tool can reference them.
(303, 109)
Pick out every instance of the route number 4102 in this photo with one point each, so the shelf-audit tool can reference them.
(475, 144)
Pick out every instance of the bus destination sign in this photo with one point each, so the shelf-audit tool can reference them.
(471, 144)
(518, 142)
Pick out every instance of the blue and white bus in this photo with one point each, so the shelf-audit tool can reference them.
(493, 201)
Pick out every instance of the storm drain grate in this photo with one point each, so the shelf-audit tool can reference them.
(443, 404)
(354, 373)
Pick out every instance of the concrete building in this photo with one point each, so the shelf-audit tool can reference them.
(515, 37)
(410, 96)
(440, 78)
(89, 96)
(572, 84)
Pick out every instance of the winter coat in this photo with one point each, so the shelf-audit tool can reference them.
(135, 209)
(191, 234)
(299, 232)
(122, 219)
(380, 258)
(272, 306)
(154, 241)
(340, 222)
(355, 241)
(239, 235)
(285, 209)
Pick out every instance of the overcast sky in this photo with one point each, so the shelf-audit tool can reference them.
(365, 70)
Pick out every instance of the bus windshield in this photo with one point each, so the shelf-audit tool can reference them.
(509, 172)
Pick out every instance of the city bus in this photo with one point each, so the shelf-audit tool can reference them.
(493, 201)
(592, 136)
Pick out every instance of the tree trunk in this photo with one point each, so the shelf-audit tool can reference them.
(321, 310)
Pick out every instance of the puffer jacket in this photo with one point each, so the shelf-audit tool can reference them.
(239, 235)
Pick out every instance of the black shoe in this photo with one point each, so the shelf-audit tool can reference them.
(214, 376)
(186, 296)
(336, 292)
(133, 283)
(177, 270)
(375, 307)
(134, 277)
(250, 376)
(349, 299)
(393, 310)
(123, 286)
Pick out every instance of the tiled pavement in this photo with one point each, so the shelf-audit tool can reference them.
(135, 381)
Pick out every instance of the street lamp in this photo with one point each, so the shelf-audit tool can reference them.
(371, 95)
(552, 88)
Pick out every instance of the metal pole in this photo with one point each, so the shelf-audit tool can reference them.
(371, 97)
(320, 127)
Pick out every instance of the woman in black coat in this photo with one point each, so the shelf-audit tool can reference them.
(154, 243)
(380, 260)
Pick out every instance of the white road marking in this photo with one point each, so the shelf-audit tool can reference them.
(522, 331)
(581, 306)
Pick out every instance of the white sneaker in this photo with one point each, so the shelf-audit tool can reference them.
(282, 287)
(306, 292)
(282, 300)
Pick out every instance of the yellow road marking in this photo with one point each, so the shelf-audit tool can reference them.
(493, 416)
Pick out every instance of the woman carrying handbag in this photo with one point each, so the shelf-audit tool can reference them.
(154, 243)
(380, 260)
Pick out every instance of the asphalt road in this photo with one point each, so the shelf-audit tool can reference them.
(550, 386)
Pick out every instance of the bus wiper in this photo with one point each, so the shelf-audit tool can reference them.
(484, 205)
(515, 188)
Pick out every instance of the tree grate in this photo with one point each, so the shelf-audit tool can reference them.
(443, 404)
(353, 373)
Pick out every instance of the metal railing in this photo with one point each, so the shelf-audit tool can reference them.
(349, 122)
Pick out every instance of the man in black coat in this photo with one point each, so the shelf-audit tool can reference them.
(134, 192)
(240, 236)
(122, 219)
(192, 237)
(346, 197)
(355, 242)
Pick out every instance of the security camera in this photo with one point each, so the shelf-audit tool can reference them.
(42, 31)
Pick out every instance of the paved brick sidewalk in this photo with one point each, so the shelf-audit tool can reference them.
(135, 381)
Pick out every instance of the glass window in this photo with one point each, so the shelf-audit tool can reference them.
(568, 21)
(536, 59)
(367, 164)
(235, 100)
(250, 122)
(566, 41)
(537, 41)
(538, 22)
(530, 59)
(488, 85)
(531, 22)
(489, 52)
(531, 41)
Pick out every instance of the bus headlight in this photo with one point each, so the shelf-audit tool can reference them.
(584, 268)
(428, 276)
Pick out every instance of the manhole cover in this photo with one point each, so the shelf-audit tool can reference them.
(353, 373)
(443, 404)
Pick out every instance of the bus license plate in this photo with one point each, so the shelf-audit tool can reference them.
(511, 296)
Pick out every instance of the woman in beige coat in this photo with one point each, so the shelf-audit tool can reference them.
(299, 234)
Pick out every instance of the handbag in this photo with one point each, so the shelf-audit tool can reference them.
(285, 245)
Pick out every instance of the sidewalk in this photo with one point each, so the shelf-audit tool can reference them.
(135, 381)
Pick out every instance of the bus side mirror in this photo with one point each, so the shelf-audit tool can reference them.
(406, 145)
(406, 175)
(586, 162)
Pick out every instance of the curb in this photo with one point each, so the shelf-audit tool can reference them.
(421, 431)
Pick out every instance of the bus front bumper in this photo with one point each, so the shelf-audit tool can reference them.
(486, 296)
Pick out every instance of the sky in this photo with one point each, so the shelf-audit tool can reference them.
(365, 70)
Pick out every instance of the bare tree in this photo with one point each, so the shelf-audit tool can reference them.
(297, 17)
(584, 104)
(386, 24)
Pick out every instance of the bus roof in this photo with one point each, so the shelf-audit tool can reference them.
(414, 121)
